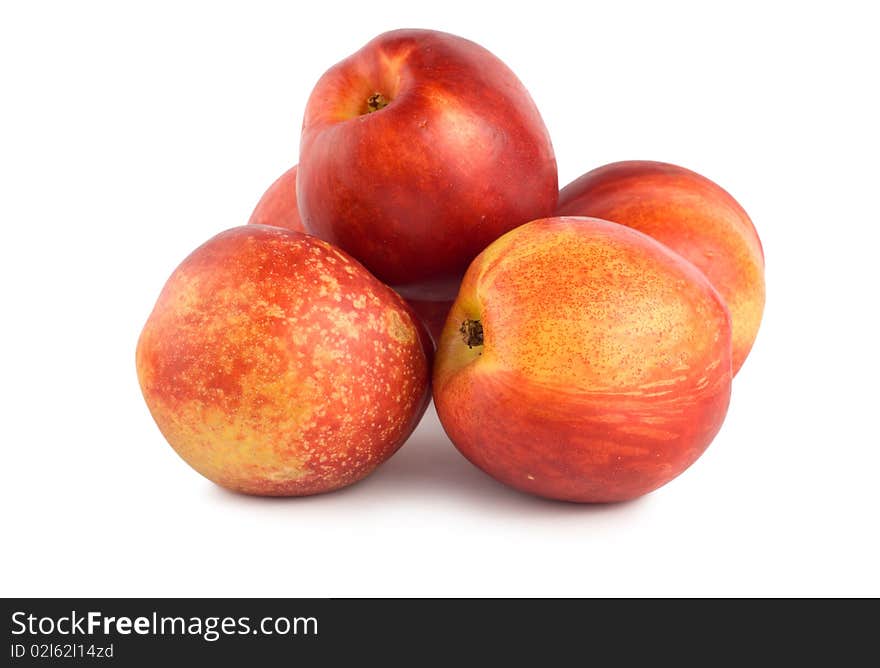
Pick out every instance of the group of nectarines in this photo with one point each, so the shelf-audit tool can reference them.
(580, 344)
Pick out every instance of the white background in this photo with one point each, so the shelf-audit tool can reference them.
(129, 136)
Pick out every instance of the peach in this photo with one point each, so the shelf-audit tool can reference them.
(584, 361)
(275, 364)
(691, 215)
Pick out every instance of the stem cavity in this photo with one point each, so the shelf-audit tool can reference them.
(375, 102)
(472, 333)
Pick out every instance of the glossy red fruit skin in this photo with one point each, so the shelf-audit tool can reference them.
(691, 215)
(278, 206)
(605, 364)
(415, 190)
(276, 365)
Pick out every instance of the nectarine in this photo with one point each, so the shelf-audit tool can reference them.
(275, 364)
(417, 152)
(583, 360)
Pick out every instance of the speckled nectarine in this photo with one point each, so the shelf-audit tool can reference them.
(584, 361)
(275, 364)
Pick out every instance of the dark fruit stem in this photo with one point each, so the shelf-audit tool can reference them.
(472, 332)
(375, 102)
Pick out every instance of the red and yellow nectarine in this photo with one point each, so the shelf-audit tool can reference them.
(275, 364)
(583, 361)
(417, 152)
